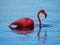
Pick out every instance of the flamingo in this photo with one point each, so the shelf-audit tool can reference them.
(28, 22)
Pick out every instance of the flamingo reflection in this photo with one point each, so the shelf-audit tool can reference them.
(24, 31)
(28, 30)
(39, 32)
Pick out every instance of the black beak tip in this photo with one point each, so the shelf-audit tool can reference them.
(46, 16)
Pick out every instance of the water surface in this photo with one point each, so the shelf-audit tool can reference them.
(11, 10)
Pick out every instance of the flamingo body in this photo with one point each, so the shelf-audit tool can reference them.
(23, 22)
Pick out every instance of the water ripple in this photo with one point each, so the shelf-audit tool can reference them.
(44, 25)
(47, 25)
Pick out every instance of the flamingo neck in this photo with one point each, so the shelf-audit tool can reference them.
(40, 24)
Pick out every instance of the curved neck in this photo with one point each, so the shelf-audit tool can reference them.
(40, 24)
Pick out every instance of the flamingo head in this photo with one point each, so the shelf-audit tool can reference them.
(43, 12)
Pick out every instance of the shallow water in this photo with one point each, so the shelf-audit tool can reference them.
(11, 10)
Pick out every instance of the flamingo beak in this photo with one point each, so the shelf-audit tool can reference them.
(45, 15)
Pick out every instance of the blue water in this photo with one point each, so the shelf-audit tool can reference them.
(11, 10)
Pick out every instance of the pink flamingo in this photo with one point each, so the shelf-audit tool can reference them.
(27, 22)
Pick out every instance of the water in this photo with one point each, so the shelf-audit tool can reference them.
(11, 10)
